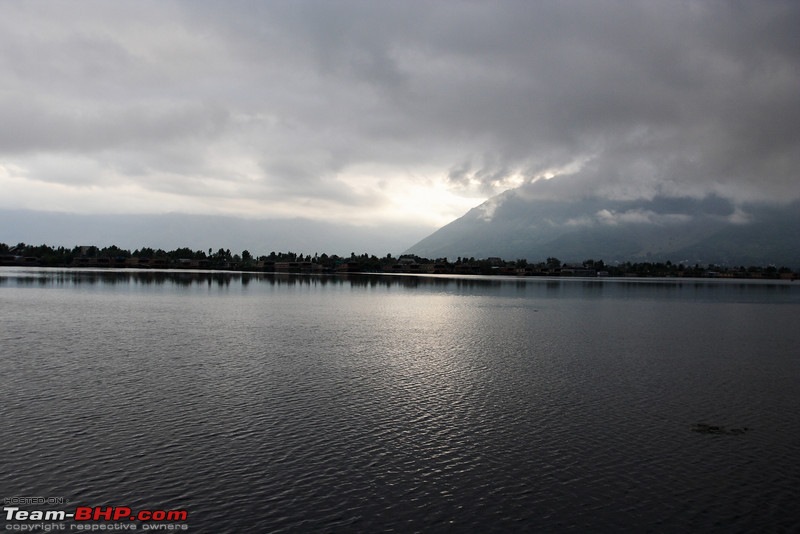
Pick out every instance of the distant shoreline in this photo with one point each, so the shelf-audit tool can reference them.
(182, 259)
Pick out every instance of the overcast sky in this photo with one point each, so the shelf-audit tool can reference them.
(381, 112)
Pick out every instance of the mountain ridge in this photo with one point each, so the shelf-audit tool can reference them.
(518, 224)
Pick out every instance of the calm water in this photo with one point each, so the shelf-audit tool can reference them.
(330, 404)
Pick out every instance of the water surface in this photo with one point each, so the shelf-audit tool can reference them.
(283, 403)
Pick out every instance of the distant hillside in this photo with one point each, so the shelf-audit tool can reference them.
(517, 224)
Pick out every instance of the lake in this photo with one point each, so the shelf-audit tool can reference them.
(369, 403)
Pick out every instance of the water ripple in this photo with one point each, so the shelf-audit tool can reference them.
(285, 408)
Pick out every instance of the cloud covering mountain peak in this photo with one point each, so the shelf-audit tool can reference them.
(529, 222)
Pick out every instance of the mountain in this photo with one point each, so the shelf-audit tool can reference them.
(523, 223)
(201, 232)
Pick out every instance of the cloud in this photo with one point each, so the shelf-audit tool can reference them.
(274, 108)
(640, 216)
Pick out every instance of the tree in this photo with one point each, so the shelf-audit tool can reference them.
(115, 252)
(221, 256)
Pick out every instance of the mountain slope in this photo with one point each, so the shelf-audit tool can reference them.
(518, 224)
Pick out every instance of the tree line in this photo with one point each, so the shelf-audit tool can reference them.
(223, 258)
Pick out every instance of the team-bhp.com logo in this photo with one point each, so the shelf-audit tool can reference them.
(89, 518)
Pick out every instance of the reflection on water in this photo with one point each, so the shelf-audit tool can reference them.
(46, 277)
(774, 291)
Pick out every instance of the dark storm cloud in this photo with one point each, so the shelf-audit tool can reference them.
(660, 96)
(622, 99)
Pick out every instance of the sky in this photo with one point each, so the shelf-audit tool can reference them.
(392, 113)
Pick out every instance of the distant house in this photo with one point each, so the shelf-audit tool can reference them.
(138, 263)
(10, 259)
(394, 268)
(349, 267)
(407, 265)
(188, 263)
(295, 267)
(577, 270)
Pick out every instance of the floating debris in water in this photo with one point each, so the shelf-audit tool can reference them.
(705, 428)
